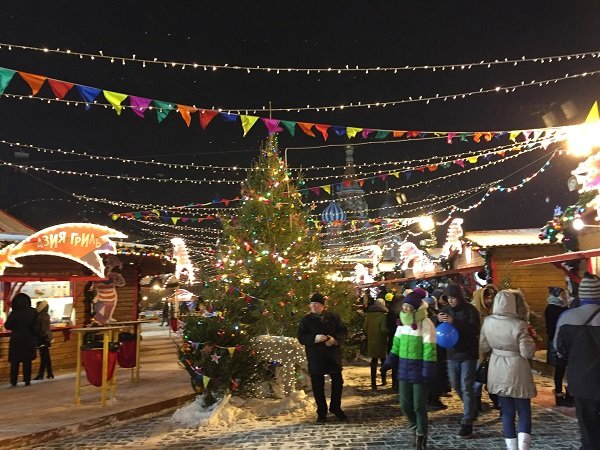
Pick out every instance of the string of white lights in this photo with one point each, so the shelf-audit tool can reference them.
(307, 70)
(325, 108)
(151, 206)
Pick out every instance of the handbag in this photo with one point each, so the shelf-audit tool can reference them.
(482, 371)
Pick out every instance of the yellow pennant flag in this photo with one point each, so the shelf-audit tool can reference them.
(395, 174)
(473, 159)
(593, 115)
(231, 351)
(327, 188)
(248, 122)
(205, 380)
(351, 131)
(114, 216)
(175, 220)
(513, 135)
(115, 99)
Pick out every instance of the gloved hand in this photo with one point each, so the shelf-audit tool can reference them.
(330, 341)
(320, 338)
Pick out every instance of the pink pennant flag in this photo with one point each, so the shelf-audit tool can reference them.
(139, 105)
(272, 125)
(526, 135)
(315, 190)
(383, 176)
(450, 137)
(460, 162)
(366, 132)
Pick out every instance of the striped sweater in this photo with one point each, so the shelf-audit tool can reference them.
(414, 352)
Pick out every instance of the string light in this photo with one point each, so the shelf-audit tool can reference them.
(305, 70)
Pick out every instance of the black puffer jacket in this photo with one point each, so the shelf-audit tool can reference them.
(468, 323)
(322, 359)
(23, 324)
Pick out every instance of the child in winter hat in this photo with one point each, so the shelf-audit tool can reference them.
(415, 301)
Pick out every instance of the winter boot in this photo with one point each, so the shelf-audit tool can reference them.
(421, 443)
(413, 435)
(511, 444)
(561, 400)
(524, 441)
(383, 378)
(373, 378)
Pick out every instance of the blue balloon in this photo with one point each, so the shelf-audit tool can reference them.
(447, 335)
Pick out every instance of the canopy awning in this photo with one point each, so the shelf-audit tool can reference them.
(424, 276)
(568, 256)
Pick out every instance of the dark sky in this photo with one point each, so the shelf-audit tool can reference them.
(284, 34)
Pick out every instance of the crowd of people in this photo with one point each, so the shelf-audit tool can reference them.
(493, 351)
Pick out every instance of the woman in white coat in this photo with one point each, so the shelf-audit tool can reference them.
(505, 335)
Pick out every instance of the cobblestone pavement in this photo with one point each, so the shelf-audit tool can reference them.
(376, 422)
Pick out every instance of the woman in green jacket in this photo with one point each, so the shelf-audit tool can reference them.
(376, 331)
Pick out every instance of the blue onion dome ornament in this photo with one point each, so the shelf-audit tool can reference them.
(333, 213)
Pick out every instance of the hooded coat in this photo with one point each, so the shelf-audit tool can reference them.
(376, 330)
(23, 324)
(551, 314)
(478, 302)
(505, 335)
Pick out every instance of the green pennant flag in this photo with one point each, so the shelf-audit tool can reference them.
(290, 126)
(162, 109)
(5, 77)
(381, 134)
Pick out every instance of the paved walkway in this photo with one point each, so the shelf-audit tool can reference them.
(375, 423)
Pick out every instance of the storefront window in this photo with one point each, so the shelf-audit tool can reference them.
(59, 297)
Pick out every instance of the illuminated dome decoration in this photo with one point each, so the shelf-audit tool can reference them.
(333, 213)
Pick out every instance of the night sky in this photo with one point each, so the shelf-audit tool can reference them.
(284, 34)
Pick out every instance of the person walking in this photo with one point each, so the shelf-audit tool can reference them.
(392, 321)
(376, 330)
(321, 332)
(462, 358)
(44, 341)
(414, 353)
(483, 300)
(505, 335)
(23, 324)
(558, 303)
(165, 313)
(577, 340)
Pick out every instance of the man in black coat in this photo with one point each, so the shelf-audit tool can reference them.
(23, 324)
(321, 332)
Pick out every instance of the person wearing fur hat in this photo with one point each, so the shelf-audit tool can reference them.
(577, 340)
(322, 332)
(558, 303)
(483, 300)
(414, 353)
(23, 324)
(376, 330)
(44, 340)
(505, 335)
(462, 358)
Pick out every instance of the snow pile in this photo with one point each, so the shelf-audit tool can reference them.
(230, 411)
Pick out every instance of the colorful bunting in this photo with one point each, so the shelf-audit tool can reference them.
(323, 130)
(186, 113)
(352, 131)
(60, 88)
(290, 126)
(88, 94)
(248, 122)
(162, 109)
(139, 105)
(206, 115)
(5, 76)
(35, 82)
(115, 99)
(306, 127)
(272, 125)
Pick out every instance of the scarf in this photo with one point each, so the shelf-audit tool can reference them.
(552, 300)
(413, 318)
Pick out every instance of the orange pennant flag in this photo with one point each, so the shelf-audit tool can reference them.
(398, 134)
(360, 182)
(186, 113)
(306, 127)
(35, 82)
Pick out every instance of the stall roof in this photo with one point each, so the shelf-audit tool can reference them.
(499, 238)
(424, 276)
(11, 225)
(569, 256)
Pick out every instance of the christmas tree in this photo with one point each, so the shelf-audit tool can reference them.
(270, 255)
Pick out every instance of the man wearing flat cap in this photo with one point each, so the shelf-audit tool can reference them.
(321, 332)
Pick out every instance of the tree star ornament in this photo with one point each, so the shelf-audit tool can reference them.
(215, 357)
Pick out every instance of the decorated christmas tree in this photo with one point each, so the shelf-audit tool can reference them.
(270, 255)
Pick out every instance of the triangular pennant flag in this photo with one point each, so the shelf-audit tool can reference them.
(432, 168)
(477, 137)
(537, 134)
(115, 99)
(340, 131)
(412, 134)
(60, 88)
(88, 94)
(513, 135)
(346, 183)
(526, 134)
(407, 174)
(395, 174)
(5, 77)
(162, 109)
(272, 125)
(327, 188)
(315, 190)
(290, 126)
(206, 115)
(231, 351)
(352, 131)
(306, 127)
(360, 182)
(398, 134)
(323, 130)
(114, 216)
(366, 132)
(381, 134)
(139, 105)
(473, 159)
(248, 122)
(460, 162)
(450, 136)
(34, 81)
(225, 201)
(593, 115)
(228, 117)
(186, 113)
(383, 176)
(205, 381)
